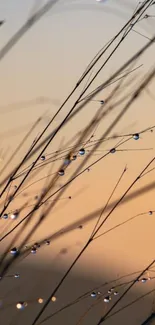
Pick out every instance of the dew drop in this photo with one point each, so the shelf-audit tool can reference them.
(16, 275)
(14, 215)
(136, 136)
(53, 299)
(109, 291)
(14, 251)
(93, 294)
(33, 250)
(5, 216)
(47, 242)
(107, 299)
(36, 245)
(82, 151)
(61, 172)
(113, 150)
(67, 161)
(21, 305)
(42, 158)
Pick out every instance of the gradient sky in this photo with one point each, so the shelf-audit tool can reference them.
(47, 62)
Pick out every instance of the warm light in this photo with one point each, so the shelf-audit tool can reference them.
(53, 299)
(21, 305)
(14, 216)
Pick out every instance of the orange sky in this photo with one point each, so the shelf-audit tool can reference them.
(47, 62)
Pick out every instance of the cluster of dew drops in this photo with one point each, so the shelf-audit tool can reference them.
(14, 251)
(112, 292)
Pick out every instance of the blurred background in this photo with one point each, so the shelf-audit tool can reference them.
(40, 63)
